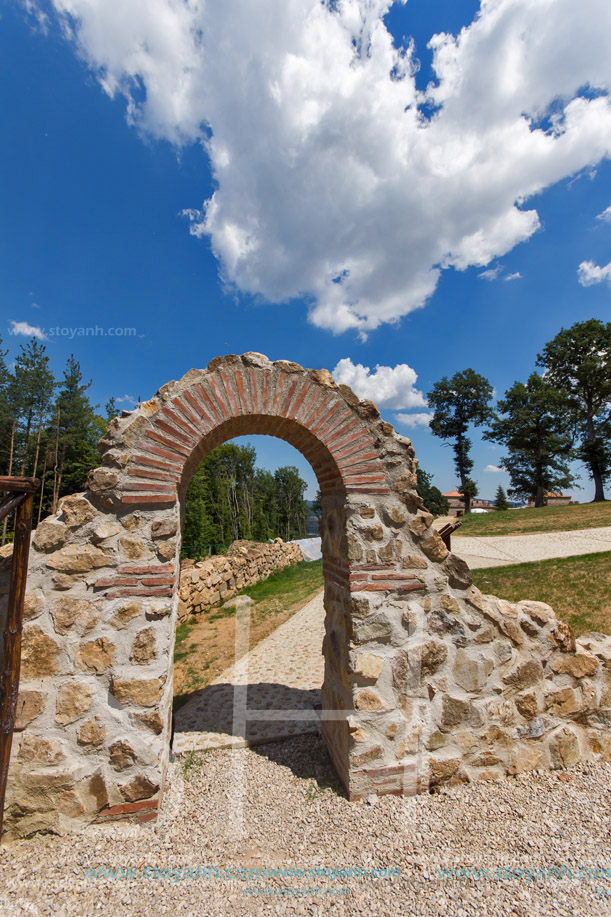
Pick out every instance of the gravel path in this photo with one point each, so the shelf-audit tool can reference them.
(502, 550)
(284, 674)
(270, 808)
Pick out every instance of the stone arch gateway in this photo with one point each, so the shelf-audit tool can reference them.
(426, 680)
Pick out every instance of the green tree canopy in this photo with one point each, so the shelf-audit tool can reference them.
(458, 403)
(536, 431)
(434, 500)
(578, 361)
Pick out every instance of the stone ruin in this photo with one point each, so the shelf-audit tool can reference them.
(427, 681)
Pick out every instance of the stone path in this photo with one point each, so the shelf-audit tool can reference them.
(503, 550)
(284, 674)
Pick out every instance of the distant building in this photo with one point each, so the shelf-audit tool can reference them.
(457, 506)
(552, 499)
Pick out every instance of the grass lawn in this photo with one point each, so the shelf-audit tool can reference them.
(577, 588)
(545, 519)
(205, 648)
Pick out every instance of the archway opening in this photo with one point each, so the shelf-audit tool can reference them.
(270, 649)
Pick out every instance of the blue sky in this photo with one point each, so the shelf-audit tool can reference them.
(360, 191)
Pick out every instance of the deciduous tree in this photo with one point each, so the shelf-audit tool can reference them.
(578, 361)
(536, 430)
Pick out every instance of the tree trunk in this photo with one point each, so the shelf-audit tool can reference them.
(599, 493)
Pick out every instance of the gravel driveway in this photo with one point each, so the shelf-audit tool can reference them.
(544, 839)
(502, 550)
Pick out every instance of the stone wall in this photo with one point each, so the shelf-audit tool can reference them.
(426, 680)
(216, 579)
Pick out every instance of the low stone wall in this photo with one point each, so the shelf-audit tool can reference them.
(216, 579)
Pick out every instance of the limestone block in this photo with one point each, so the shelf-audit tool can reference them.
(163, 528)
(562, 702)
(578, 664)
(105, 531)
(420, 523)
(76, 511)
(166, 550)
(122, 755)
(96, 656)
(38, 750)
(471, 672)
(30, 704)
(133, 548)
(459, 574)
(367, 668)
(39, 654)
(33, 605)
(76, 558)
(126, 613)
(525, 758)
(443, 768)
(454, 710)
(527, 704)
(73, 700)
(143, 692)
(102, 479)
(75, 615)
(92, 733)
(139, 788)
(365, 757)
(563, 637)
(525, 675)
(564, 749)
(144, 647)
(434, 548)
(368, 699)
(49, 536)
(414, 561)
(150, 720)
(376, 629)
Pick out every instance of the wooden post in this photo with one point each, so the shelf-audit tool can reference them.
(9, 680)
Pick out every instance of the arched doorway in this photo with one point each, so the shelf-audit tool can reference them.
(422, 672)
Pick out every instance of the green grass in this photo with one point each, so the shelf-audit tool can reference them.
(577, 588)
(544, 519)
(285, 588)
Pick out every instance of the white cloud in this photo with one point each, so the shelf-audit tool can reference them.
(414, 420)
(516, 276)
(129, 399)
(605, 215)
(494, 468)
(330, 182)
(491, 274)
(389, 386)
(27, 330)
(589, 273)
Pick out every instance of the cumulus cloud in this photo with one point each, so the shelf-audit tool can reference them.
(605, 215)
(515, 276)
(589, 273)
(336, 179)
(420, 419)
(494, 468)
(389, 386)
(27, 330)
(126, 399)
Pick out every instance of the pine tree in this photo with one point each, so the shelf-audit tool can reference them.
(500, 501)
(77, 433)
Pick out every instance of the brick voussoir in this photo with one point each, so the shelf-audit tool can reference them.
(231, 395)
(151, 591)
(178, 448)
(155, 463)
(187, 439)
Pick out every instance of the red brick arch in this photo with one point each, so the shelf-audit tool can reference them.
(248, 400)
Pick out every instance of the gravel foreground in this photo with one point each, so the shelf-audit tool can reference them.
(545, 839)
